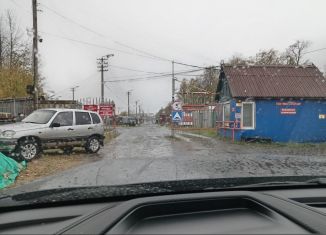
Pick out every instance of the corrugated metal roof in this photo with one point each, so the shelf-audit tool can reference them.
(276, 81)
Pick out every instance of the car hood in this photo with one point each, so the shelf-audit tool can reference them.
(18, 197)
(21, 126)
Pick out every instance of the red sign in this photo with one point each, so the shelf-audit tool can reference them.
(288, 111)
(91, 107)
(106, 110)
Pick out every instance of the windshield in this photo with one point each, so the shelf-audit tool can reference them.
(39, 117)
(166, 90)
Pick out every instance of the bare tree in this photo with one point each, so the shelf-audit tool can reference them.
(2, 42)
(268, 57)
(16, 48)
(294, 53)
(238, 59)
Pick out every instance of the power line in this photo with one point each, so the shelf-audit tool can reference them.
(320, 49)
(115, 41)
(189, 65)
(143, 71)
(135, 70)
(152, 77)
(102, 35)
(79, 83)
(96, 45)
(120, 99)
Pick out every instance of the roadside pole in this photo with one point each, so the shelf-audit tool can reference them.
(35, 55)
(128, 93)
(173, 89)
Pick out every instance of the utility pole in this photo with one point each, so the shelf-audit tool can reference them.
(35, 55)
(128, 93)
(173, 90)
(136, 108)
(73, 89)
(103, 65)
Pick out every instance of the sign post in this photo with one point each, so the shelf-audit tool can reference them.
(177, 114)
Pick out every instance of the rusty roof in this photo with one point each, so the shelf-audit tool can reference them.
(275, 81)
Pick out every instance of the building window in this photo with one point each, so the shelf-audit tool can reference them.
(248, 115)
(226, 112)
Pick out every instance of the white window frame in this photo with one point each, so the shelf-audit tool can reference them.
(223, 110)
(253, 116)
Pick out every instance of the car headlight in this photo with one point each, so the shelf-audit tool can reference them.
(8, 134)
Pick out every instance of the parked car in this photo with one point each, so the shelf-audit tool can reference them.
(132, 121)
(128, 121)
(51, 129)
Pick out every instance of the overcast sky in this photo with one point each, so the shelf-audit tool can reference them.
(199, 32)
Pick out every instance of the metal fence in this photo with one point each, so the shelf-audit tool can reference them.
(204, 119)
(199, 119)
(18, 106)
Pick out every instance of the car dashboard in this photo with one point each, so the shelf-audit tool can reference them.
(296, 211)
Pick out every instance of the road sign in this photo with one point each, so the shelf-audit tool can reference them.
(91, 107)
(177, 116)
(106, 110)
(177, 106)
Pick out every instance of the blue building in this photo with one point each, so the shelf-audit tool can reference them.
(277, 103)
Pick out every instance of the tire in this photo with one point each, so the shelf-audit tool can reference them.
(28, 149)
(93, 145)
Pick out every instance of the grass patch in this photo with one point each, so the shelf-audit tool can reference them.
(204, 132)
(110, 135)
(173, 138)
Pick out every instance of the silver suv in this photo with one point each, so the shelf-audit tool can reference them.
(52, 128)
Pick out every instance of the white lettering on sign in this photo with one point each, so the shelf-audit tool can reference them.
(288, 103)
(288, 111)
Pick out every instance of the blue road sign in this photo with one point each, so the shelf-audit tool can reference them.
(177, 116)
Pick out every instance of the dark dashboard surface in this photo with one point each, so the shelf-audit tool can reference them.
(294, 211)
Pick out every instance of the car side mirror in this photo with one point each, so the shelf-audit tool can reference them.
(55, 124)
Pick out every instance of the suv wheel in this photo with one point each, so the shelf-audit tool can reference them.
(93, 145)
(28, 149)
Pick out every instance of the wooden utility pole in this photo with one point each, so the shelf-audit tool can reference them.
(128, 93)
(136, 108)
(35, 55)
(173, 90)
(73, 89)
(103, 67)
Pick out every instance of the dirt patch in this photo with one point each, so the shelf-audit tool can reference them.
(52, 163)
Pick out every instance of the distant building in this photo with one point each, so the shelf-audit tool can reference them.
(277, 103)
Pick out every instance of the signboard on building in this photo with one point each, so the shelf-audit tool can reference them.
(288, 111)
(91, 107)
(106, 110)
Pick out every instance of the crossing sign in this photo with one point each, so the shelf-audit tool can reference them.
(177, 116)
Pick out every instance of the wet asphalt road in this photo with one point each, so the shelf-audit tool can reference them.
(146, 153)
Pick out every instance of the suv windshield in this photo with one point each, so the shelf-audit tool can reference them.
(39, 117)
